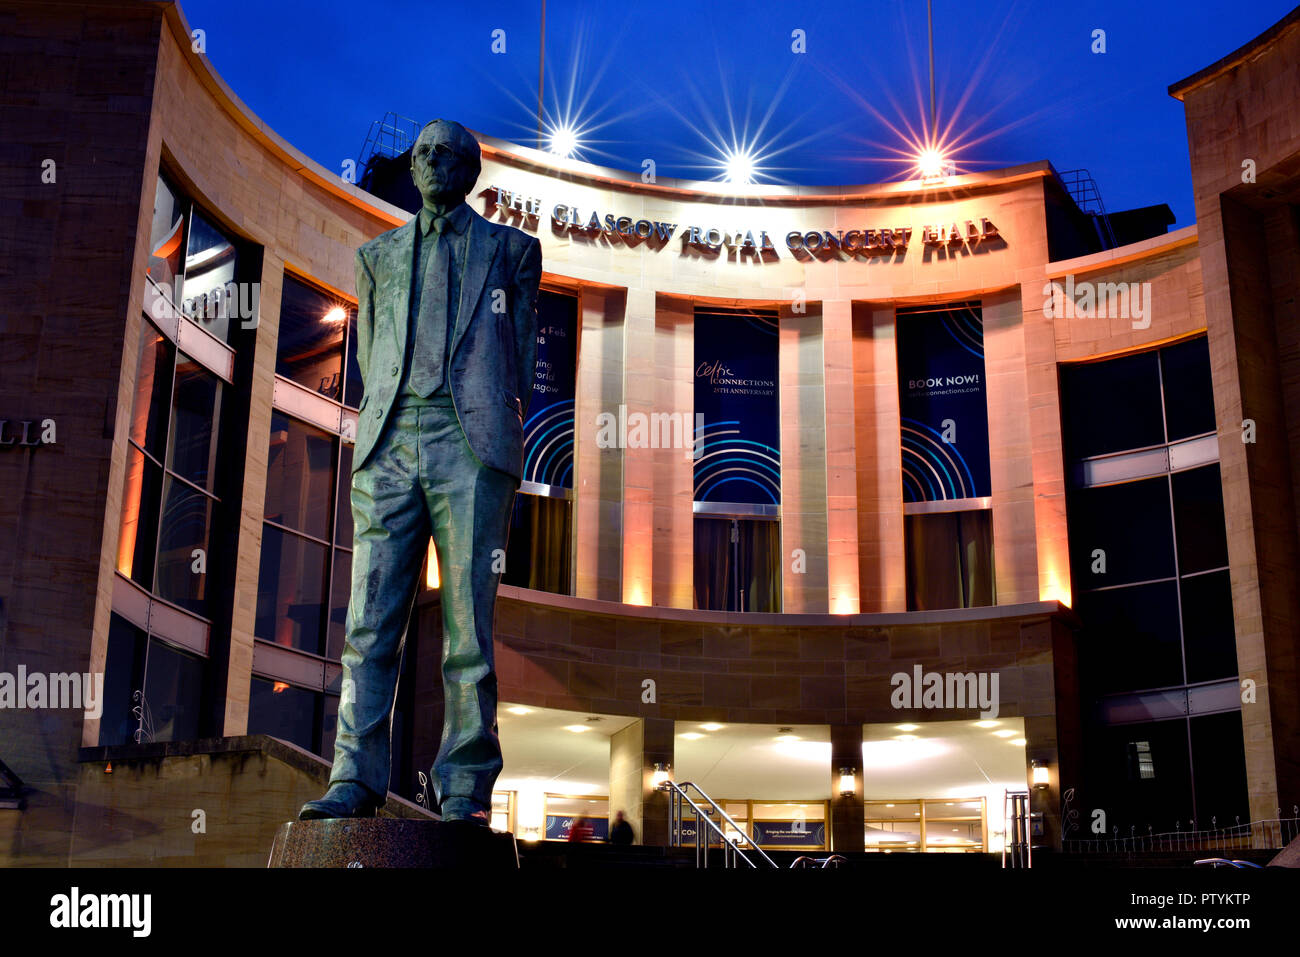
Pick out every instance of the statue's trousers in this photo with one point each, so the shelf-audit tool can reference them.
(423, 480)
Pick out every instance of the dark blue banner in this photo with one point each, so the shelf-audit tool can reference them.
(739, 458)
(943, 405)
(559, 826)
(790, 833)
(548, 432)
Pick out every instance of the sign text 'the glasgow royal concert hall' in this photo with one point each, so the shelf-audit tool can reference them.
(878, 241)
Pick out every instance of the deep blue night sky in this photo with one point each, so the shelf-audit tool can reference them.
(669, 80)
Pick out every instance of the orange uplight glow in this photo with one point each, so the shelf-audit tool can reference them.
(1053, 589)
(279, 686)
(844, 605)
(431, 579)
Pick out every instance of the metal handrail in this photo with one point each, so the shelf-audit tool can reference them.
(1017, 836)
(803, 860)
(728, 818)
(730, 849)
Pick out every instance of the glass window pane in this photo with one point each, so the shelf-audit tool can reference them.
(173, 688)
(1130, 639)
(329, 726)
(283, 711)
(1219, 769)
(537, 555)
(196, 411)
(1130, 524)
(300, 476)
(352, 385)
(713, 576)
(166, 237)
(343, 527)
(123, 677)
(737, 564)
(1189, 392)
(291, 590)
(340, 592)
(186, 525)
(1142, 776)
(893, 826)
(1209, 636)
(138, 534)
(1111, 406)
(310, 348)
(209, 295)
(153, 386)
(949, 560)
(1198, 512)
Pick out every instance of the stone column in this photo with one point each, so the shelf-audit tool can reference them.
(598, 472)
(803, 461)
(848, 814)
(657, 482)
(633, 753)
(1015, 544)
(841, 464)
(881, 552)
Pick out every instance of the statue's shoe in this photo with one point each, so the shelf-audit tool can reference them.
(342, 800)
(464, 811)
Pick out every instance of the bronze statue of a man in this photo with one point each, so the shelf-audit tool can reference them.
(447, 343)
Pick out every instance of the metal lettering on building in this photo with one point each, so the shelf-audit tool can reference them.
(877, 240)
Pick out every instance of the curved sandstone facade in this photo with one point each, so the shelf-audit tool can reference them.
(833, 264)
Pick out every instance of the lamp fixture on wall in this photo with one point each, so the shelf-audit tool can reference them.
(661, 776)
(848, 782)
(1039, 775)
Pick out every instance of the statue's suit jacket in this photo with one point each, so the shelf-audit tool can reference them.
(492, 350)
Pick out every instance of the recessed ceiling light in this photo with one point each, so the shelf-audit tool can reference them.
(577, 728)
(1004, 733)
(787, 737)
(905, 737)
(907, 727)
(691, 735)
(1018, 742)
(987, 724)
(713, 726)
(889, 805)
(519, 709)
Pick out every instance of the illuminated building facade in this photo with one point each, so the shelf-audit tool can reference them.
(802, 464)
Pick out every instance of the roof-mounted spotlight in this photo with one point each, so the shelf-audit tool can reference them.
(738, 167)
(564, 141)
(933, 166)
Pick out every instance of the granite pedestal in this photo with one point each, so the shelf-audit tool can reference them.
(392, 842)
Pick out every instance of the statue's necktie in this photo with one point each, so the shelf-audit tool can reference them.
(429, 353)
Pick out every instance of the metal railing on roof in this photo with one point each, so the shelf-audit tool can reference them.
(1083, 190)
(390, 135)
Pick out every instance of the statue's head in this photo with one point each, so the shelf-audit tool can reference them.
(445, 162)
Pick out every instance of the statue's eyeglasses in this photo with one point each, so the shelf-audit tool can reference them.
(440, 151)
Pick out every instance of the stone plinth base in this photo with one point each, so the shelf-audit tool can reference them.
(392, 842)
(1289, 856)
